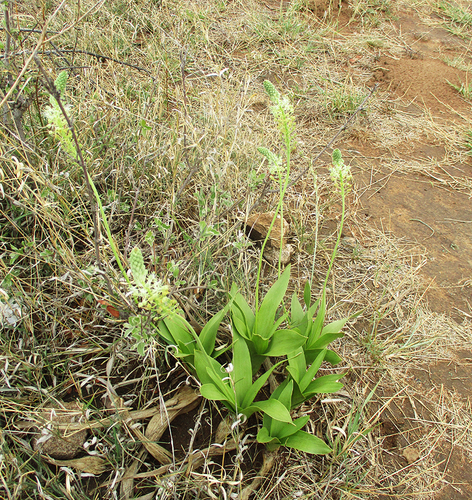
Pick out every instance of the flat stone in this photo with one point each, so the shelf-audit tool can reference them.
(257, 228)
(57, 442)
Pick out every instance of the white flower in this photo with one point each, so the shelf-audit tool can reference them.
(339, 171)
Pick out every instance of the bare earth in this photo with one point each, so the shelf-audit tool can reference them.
(430, 211)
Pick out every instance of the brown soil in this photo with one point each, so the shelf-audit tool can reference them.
(422, 80)
(426, 210)
(437, 218)
(415, 206)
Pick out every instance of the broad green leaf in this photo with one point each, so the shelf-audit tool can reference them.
(296, 311)
(278, 391)
(288, 430)
(233, 292)
(303, 441)
(297, 397)
(276, 325)
(263, 436)
(266, 315)
(284, 342)
(184, 350)
(221, 385)
(260, 344)
(334, 327)
(293, 373)
(325, 384)
(257, 386)
(330, 356)
(284, 397)
(307, 294)
(179, 330)
(271, 443)
(208, 334)
(203, 363)
(318, 323)
(200, 361)
(297, 364)
(242, 368)
(209, 391)
(164, 331)
(275, 409)
(245, 314)
(239, 325)
(311, 311)
(312, 371)
(324, 340)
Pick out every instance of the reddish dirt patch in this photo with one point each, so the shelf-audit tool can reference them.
(423, 80)
(416, 206)
(425, 39)
(421, 209)
(403, 424)
(454, 376)
(413, 209)
(422, 75)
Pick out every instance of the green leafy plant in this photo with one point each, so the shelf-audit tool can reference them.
(298, 335)
(269, 330)
(164, 319)
(260, 329)
(275, 433)
(258, 334)
(234, 385)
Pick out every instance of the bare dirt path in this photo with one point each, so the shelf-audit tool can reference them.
(432, 208)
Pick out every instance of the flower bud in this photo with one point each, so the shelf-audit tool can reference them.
(136, 264)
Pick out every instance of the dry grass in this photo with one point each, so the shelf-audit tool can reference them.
(166, 155)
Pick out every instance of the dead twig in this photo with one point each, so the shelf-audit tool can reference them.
(267, 464)
(100, 57)
(80, 160)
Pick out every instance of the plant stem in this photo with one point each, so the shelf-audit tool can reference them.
(340, 230)
(6, 61)
(288, 147)
(107, 229)
(283, 185)
(92, 192)
(317, 222)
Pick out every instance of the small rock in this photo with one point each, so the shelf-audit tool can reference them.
(273, 254)
(62, 444)
(411, 454)
(257, 228)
